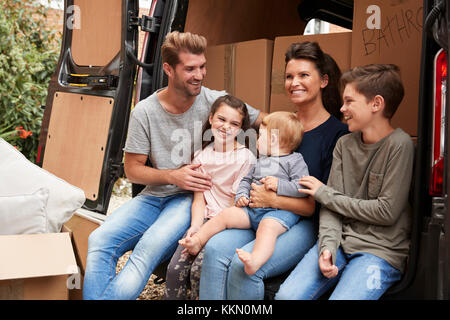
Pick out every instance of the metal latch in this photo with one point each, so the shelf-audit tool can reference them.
(147, 24)
(117, 169)
(86, 80)
(438, 211)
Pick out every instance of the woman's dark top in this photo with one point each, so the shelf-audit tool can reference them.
(317, 149)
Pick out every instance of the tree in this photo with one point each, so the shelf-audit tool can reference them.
(28, 56)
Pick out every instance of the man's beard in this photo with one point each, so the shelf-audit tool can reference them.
(184, 88)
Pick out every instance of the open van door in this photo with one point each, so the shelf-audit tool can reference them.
(89, 97)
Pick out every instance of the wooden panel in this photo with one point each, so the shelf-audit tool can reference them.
(228, 21)
(96, 36)
(76, 140)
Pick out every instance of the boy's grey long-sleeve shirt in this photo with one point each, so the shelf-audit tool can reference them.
(288, 169)
(365, 204)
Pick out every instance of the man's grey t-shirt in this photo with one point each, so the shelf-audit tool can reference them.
(170, 139)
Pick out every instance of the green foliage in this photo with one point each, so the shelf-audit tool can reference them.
(28, 56)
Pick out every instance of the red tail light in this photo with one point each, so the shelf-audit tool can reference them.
(440, 92)
(38, 157)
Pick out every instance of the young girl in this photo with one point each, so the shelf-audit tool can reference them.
(227, 162)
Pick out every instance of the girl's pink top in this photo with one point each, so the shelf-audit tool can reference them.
(226, 170)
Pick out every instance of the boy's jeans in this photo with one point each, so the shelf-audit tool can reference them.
(362, 276)
(151, 227)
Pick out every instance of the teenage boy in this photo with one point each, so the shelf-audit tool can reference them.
(365, 217)
(163, 129)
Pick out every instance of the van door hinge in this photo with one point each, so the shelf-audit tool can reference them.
(147, 24)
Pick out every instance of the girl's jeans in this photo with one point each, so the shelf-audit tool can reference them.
(151, 227)
(223, 275)
(362, 276)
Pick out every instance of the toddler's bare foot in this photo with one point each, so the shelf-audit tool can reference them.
(192, 244)
(250, 265)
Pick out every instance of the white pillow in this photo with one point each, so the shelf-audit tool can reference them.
(24, 214)
(20, 176)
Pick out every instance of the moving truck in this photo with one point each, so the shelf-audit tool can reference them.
(99, 75)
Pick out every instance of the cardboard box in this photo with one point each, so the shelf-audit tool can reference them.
(399, 41)
(80, 227)
(36, 266)
(243, 70)
(338, 45)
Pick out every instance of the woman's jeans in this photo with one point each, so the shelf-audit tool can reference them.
(223, 275)
(361, 276)
(151, 227)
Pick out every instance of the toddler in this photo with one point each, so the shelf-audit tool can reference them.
(279, 169)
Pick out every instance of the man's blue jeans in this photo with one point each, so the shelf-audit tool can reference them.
(362, 276)
(151, 227)
(223, 275)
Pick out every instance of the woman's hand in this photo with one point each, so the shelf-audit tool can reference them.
(313, 184)
(261, 198)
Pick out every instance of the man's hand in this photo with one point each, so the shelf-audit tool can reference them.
(242, 202)
(328, 269)
(270, 183)
(188, 178)
(313, 184)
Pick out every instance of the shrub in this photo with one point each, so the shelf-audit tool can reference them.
(28, 56)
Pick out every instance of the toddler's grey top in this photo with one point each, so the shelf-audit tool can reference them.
(288, 169)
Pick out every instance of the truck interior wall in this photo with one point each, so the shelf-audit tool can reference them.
(225, 21)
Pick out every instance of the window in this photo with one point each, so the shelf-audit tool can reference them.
(316, 26)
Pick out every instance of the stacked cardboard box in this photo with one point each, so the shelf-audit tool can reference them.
(398, 40)
(337, 45)
(243, 70)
